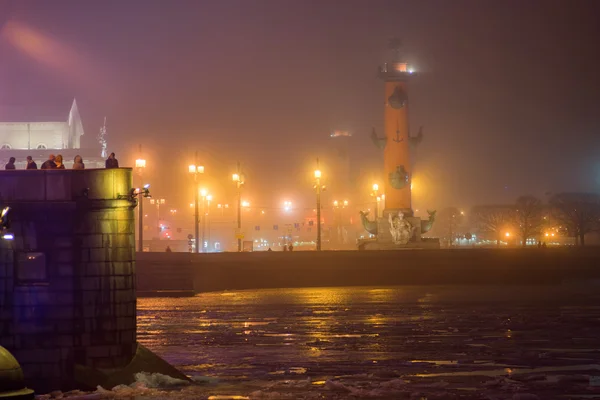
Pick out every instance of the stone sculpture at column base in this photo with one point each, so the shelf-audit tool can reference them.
(398, 230)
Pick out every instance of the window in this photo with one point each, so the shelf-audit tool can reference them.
(30, 268)
(6, 146)
(41, 146)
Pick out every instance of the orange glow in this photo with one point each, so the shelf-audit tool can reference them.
(196, 169)
(140, 163)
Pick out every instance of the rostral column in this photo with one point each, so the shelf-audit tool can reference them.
(397, 142)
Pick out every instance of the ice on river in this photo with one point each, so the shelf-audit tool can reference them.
(378, 343)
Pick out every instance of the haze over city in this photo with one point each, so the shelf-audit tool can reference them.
(299, 199)
(506, 92)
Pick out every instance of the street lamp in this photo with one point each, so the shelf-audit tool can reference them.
(238, 179)
(287, 206)
(196, 170)
(158, 203)
(141, 193)
(222, 207)
(205, 197)
(377, 200)
(318, 188)
(140, 165)
(339, 206)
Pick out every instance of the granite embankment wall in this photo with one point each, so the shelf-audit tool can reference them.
(235, 271)
(67, 279)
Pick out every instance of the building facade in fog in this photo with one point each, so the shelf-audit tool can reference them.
(24, 133)
(65, 133)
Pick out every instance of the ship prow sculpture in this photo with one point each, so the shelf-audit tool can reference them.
(397, 227)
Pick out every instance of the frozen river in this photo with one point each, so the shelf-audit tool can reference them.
(393, 343)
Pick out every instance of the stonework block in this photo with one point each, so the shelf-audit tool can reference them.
(95, 268)
(122, 268)
(63, 298)
(61, 284)
(91, 283)
(31, 296)
(65, 269)
(123, 254)
(63, 241)
(125, 323)
(93, 241)
(84, 255)
(127, 336)
(106, 226)
(99, 255)
(125, 226)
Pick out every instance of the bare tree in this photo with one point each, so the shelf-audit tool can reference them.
(448, 223)
(495, 221)
(528, 217)
(578, 212)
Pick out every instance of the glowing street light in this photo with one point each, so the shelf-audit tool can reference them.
(238, 179)
(339, 206)
(196, 170)
(287, 206)
(245, 204)
(318, 188)
(140, 165)
(377, 199)
(205, 197)
(222, 207)
(141, 193)
(158, 203)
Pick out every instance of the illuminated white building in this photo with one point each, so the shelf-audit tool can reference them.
(39, 136)
(27, 135)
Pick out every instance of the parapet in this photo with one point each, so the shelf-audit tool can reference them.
(64, 184)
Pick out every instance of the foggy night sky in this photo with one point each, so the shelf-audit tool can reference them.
(508, 92)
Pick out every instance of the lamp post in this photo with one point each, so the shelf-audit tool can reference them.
(222, 207)
(238, 179)
(377, 200)
(196, 170)
(204, 195)
(158, 203)
(140, 165)
(318, 189)
(141, 193)
(339, 206)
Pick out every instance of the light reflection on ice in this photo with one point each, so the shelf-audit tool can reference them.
(369, 342)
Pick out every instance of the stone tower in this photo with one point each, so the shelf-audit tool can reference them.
(398, 227)
(397, 165)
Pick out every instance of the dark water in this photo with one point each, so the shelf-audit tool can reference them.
(396, 343)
